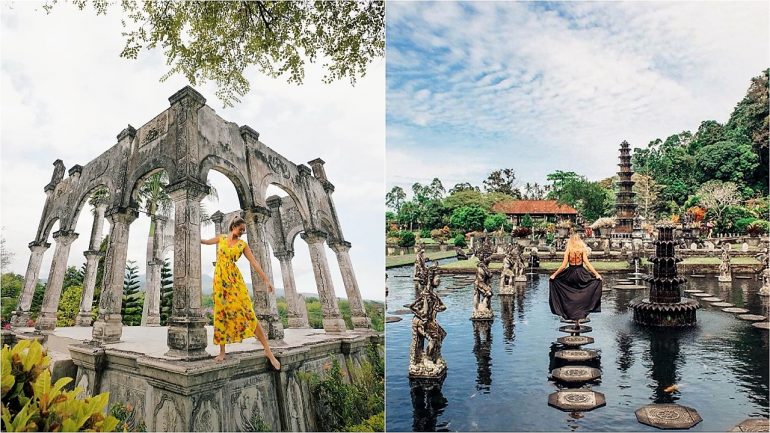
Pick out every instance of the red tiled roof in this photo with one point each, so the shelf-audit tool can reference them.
(532, 207)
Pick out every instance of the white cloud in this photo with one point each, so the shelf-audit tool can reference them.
(67, 94)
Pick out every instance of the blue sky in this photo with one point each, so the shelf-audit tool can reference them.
(546, 86)
(65, 93)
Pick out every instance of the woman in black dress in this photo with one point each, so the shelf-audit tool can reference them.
(573, 290)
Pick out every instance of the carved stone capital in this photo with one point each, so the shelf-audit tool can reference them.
(258, 214)
(314, 236)
(159, 218)
(92, 254)
(38, 247)
(187, 92)
(340, 246)
(284, 255)
(64, 237)
(328, 186)
(129, 132)
(125, 215)
(249, 134)
(76, 170)
(274, 201)
(217, 217)
(303, 170)
(187, 189)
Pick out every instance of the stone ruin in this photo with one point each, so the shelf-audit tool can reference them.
(187, 140)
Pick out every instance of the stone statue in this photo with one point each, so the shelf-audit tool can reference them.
(534, 260)
(425, 361)
(420, 270)
(460, 254)
(518, 264)
(724, 268)
(764, 258)
(507, 275)
(482, 291)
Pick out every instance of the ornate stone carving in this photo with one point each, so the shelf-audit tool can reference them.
(725, 274)
(482, 291)
(425, 360)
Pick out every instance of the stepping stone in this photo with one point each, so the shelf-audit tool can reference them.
(735, 310)
(702, 295)
(742, 277)
(572, 330)
(575, 340)
(761, 325)
(712, 299)
(697, 275)
(752, 317)
(577, 373)
(668, 416)
(401, 312)
(392, 319)
(623, 281)
(576, 400)
(576, 355)
(586, 320)
(693, 291)
(630, 287)
(722, 304)
(753, 424)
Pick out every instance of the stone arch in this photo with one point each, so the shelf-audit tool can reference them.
(298, 197)
(50, 221)
(326, 225)
(72, 218)
(144, 170)
(232, 172)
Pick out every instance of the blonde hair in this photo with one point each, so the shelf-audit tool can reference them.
(235, 222)
(576, 244)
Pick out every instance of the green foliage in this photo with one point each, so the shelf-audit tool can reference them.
(72, 277)
(127, 418)
(758, 228)
(591, 199)
(376, 313)
(256, 423)
(166, 292)
(459, 240)
(741, 223)
(395, 198)
(424, 233)
(69, 306)
(131, 309)
(468, 218)
(219, 40)
(373, 423)
(314, 313)
(432, 215)
(407, 214)
(37, 300)
(406, 239)
(726, 161)
(11, 286)
(502, 181)
(30, 402)
(342, 406)
(526, 221)
(493, 222)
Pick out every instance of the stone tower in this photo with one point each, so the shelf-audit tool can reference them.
(625, 208)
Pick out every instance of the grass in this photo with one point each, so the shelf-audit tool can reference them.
(407, 259)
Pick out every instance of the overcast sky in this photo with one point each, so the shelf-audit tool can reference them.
(65, 93)
(540, 87)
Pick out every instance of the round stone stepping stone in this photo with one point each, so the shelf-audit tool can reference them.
(586, 320)
(668, 416)
(735, 310)
(712, 299)
(702, 295)
(697, 275)
(753, 424)
(575, 340)
(576, 400)
(752, 317)
(742, 277)
(762, 325)
(630, 287)
(572, 330)
(392, 319)
(575, 355)
(722, 304)
(693, 291)
(401, 312)
(576, 373)
(623, 281)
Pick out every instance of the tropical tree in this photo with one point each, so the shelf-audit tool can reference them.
(503, 181)
(463, 187)
(496, 221)
(219, 40)
(468, 218)
(131, 308)
(395, 198)
(72, 277)
(647, 191)
(717, 196)
(166, 292)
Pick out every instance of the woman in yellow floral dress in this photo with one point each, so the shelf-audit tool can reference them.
(234, 318)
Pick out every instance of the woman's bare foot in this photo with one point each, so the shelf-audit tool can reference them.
(220, 358)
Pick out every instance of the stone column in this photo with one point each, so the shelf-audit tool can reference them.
(296, 320)
(264, 303)
(108, 327)
(53, 288)
(151, 307)
(357, 309)
(21, 315)
(332, 321)
(92, 261)
(187, 333)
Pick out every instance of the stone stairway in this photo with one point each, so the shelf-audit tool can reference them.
(576, 372)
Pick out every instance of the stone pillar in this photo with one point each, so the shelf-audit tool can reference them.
(332, 318)
(357, 310)
(187, 332)
(151, 307)
(296, 319)
(108, 327)
(92, 261)
(264, 303)
(21, 315)
(53, 288)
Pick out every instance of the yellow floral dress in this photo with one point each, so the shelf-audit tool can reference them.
(234, 317)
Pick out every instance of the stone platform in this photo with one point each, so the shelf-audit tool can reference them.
(172, 395)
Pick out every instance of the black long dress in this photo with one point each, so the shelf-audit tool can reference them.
(574, 293)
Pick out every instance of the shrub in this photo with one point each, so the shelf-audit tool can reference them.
(741, 224)
(69, 306)
(32, 403)
(126, 417)
(603, 223)
(406, 239)
(392, 233)
(526, 221)
(521, 232)
(459, 240)
(758, 228)
(564, 224)
(493, 222)
(424, 233)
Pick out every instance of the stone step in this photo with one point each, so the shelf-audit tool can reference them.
(735, 310)
(576, 400)
(668, 416)
(576, 374)
(576, 355)
(575, 340)
(571, 329)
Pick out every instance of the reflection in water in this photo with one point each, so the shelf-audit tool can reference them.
(482, 346)
(665, 356)
(520, 302)
(622, 298)
(506, 313)
(428, 403)
(625, 349)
